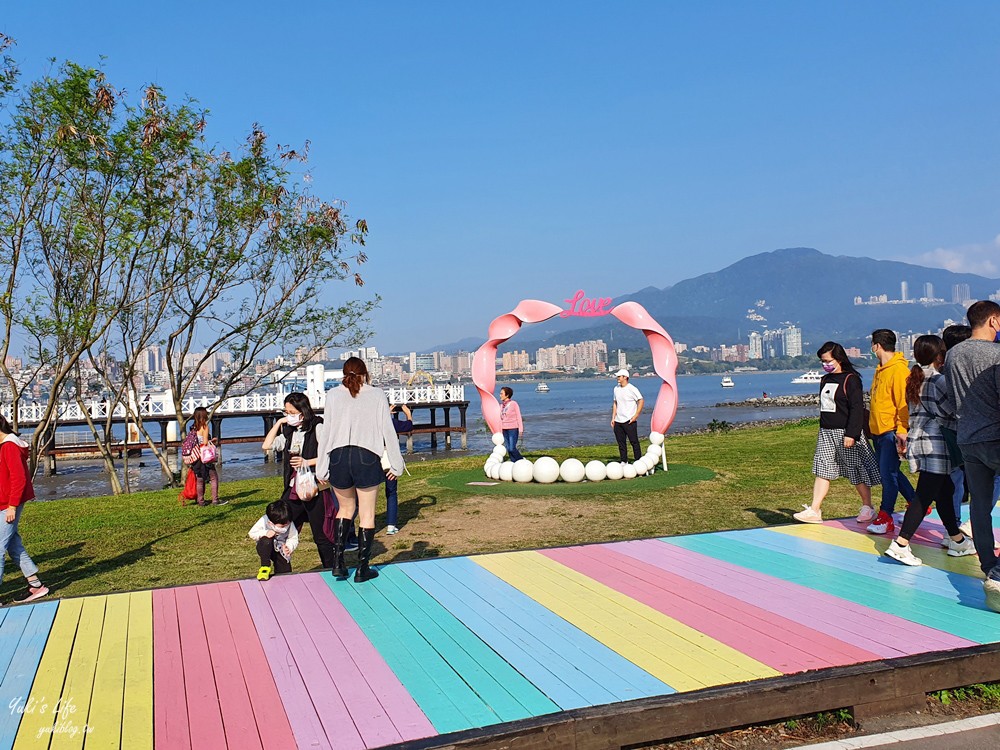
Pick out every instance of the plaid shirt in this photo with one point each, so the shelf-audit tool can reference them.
(926, 449)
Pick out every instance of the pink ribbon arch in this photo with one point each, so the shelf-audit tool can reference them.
(632, 314)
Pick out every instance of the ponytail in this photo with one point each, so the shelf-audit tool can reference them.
(913, 384)
(355, 375)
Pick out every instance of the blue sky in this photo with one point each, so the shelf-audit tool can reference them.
(526, 150)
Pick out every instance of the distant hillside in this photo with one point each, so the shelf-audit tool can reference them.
(799, 285)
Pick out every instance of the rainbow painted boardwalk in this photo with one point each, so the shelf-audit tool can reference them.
(440, 646)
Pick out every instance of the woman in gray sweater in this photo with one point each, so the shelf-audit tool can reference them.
(358, 429)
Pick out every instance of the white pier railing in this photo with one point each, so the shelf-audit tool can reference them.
(426, 394)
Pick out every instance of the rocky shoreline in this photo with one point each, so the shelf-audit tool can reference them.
(806, 399)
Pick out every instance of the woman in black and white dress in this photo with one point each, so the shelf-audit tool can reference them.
(841, 449)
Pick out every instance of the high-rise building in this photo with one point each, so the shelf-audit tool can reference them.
(928, 290)
(792, 341)
(756, 348)
(904, 291)
(960, 294)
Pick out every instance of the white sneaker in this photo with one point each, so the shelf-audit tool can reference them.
(966, 528)
(903, 554)
(992, 590)
(808, 515)
(962, 548)
(390, 530)
(866, 514)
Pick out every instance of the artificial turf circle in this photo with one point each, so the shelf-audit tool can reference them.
(679, 474)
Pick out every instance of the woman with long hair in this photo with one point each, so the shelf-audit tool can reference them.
(15, 490)
(357, 432)
(927, 452)
(841, 449)
(302, 429)
(203, 459)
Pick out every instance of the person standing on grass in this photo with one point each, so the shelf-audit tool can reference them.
(888, 423)
(625, 408)
(927, 451)
(199, 448)
(972, 369)
(510, 422)
(392, 485)
(841, 449)
(15, 490)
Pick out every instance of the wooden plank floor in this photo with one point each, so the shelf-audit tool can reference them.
(440, 646)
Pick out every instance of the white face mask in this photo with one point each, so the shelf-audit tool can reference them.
(293, 420)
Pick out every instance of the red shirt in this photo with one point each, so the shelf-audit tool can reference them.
(15, 484)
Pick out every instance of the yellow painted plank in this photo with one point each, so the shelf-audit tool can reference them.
(679, 655)
(40, 715)
(72, 723)
(137, 725)
(935, 557)
(105, 717)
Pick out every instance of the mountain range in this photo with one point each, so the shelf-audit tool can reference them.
(799, 286)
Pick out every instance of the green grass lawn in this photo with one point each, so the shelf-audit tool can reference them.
(739, 479)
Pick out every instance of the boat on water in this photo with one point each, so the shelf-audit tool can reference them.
(542, 388)
(727, 382)
(813, 377)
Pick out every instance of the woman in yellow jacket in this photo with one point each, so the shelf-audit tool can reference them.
(888, 422)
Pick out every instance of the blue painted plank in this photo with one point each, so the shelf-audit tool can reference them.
(20, 672)
(881, 594)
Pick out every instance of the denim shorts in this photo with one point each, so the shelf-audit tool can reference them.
(351, 466)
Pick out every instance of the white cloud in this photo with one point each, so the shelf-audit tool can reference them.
(982, 259)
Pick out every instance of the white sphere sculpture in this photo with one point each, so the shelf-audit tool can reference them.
(656, 438)
(499, 452)
(641, 466)
(572, 470)
(595, 471)
(654, 451)
(506, 471)
(628, 470)
(615, 470)
(545, 470)
(495, 471)
(522, 471)
(497, 438)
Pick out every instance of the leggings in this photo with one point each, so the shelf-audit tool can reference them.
(931, 488)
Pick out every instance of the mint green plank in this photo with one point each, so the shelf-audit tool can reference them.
(444, 697)
(496, 682)
(23, 663)
(900, 600)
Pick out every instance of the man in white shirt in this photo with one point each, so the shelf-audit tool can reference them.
(625, 410)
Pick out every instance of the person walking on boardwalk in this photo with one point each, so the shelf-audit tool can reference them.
(510, 422)
(625, 408)
(302, 428)
(841, 448)
(888, 423)
(972, 369)
(357, 432)
(927, 451)
(15, 490)
(200, 452)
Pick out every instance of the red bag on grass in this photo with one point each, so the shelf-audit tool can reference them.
(190, 491)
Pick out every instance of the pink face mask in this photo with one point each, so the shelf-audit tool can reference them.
(293, 420)
(829, 366)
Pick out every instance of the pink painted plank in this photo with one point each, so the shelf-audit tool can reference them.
(880, 633)
(769, 638)
(170, 722)
(207, 730)
(272, 723)
(929, 533)
(238, 717)
(305, 723)
(328, 694)
(404, 713)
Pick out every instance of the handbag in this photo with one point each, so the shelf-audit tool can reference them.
(954, 452)
(190, 491)
(209, 453)
(305, 483)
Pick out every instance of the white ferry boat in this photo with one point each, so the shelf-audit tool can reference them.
(542, 388)
(806, 378)
(727, 382)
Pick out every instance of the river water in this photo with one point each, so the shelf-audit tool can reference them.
(573, 413)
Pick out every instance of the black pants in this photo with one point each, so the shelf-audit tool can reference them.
(313, 510)
(628, 430)
(270, 556)
(931, 488)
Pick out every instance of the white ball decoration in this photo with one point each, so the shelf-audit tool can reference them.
(595, 471)
(572, 470)
(500, 452)
(628, 470)
(641, 466)
(654, 451)
(497, 438)
(545, 470)
(522, 471)
(656, 438)
(494, 471)
(507, 471)
(615, 470)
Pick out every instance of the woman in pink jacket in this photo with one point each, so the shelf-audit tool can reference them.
(510, 423)
(15, 490)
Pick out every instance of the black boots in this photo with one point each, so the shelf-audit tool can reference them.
(342, 530)
(364, 573)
